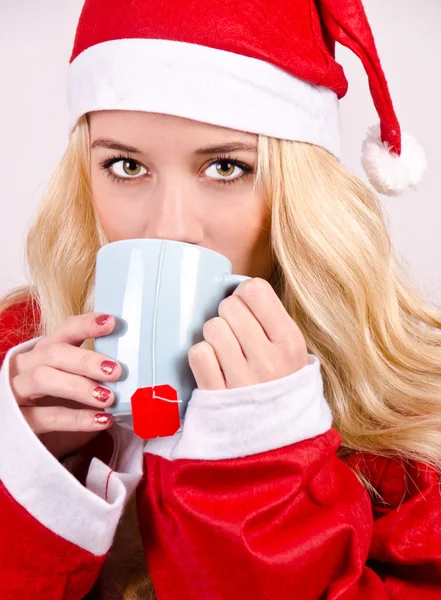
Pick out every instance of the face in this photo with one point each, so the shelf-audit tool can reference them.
(161, 176)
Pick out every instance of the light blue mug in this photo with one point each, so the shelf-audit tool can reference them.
(161, 293)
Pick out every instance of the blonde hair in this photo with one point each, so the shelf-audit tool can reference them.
(377, 337)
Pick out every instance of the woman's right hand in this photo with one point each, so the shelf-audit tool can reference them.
(56, 384)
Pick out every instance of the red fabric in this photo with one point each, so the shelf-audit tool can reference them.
(406, 546)
(297, 36)
(292, 38)
(346, 22)
(35, 562)
(18, 323)
(290, 523)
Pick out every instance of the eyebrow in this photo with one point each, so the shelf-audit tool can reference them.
(114, 145)
(222, 148)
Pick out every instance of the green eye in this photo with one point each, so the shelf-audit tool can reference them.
(123, 168)
(131, 167)
(224, 169)
(128, 169)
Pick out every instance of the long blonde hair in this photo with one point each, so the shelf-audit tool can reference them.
(377, 337)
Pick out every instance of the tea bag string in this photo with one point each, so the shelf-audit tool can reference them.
(155, 314)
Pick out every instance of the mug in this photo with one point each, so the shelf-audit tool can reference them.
(161, 292)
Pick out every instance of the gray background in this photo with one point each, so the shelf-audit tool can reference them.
(35, 44)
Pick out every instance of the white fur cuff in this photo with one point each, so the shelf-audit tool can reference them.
(237, 422)
(86, 516)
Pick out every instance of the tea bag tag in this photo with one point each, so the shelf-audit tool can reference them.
(155, 411)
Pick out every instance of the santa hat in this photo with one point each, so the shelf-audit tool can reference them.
(265, 67)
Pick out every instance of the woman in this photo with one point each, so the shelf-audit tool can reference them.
(308, 462)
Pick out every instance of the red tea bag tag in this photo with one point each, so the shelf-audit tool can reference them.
(155, 411)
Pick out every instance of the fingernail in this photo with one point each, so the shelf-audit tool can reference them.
(101, 393)
(101, 319)
(108, 366)
(101, 418)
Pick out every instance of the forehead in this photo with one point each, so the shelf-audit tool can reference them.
(137, 125)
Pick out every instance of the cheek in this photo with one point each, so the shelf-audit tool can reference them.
(242, 233)
(121, 216)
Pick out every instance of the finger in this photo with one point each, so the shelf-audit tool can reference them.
(78, 328)
(268, 309)
(247, 329)
(42, 419)
(70, 359)
(228, 352)
(46, 381)
(205, 367)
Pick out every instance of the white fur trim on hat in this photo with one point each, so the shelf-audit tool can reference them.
(204, 84)
(389, 173)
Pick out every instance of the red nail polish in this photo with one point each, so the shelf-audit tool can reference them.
(101, 418)
(108, 366)
(101, 393)
(102, 319)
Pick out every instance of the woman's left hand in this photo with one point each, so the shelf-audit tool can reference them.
(253, 340)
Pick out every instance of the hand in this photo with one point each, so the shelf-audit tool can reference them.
(253, 340)
(56, 381)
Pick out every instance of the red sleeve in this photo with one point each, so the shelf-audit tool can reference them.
(18, 323)
(36, 563)
(289, 523)
(56, 530)
(406, 543)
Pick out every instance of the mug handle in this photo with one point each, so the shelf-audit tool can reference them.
(231, 281)
(236, 279)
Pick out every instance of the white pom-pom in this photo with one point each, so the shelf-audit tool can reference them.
(388, 173)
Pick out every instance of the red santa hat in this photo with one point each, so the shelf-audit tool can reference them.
(258, 66)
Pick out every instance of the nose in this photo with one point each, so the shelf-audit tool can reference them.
(173, 213)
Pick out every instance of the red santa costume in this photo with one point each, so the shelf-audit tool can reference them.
(249, 500)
